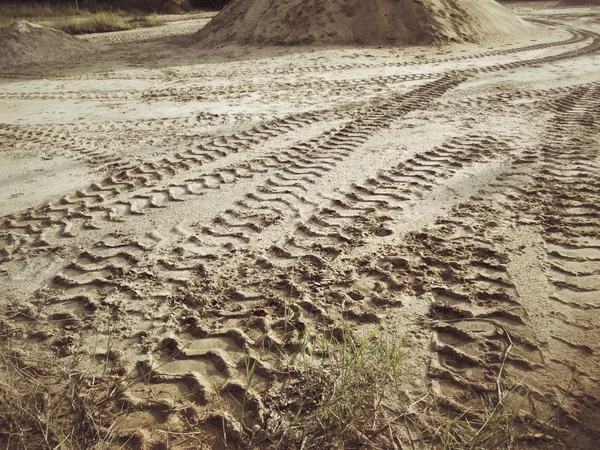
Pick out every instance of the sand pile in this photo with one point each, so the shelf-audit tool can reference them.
(372, 22)
(25, 43)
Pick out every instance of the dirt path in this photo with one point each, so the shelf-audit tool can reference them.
(192, 202)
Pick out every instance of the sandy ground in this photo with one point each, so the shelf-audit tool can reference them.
(160, 195)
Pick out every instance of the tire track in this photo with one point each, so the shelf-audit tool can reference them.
(368, 209)
(319, 68)
(252, 222)
(130, 208)
(123, 270)
(293, 173)
(554, 342)
(256, 315)
(130, 192)
(89, 206)
(348, 86)
(295, 169)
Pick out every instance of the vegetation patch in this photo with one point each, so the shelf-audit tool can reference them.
(350, 392)
(48, 402)
(342, 392)
(105, 22)
(88, 17)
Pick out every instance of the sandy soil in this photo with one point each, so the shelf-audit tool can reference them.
(161, 197)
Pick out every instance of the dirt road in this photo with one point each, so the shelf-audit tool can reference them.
(207, 204)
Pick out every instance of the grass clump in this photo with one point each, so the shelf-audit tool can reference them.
(66, 17)
(104, 22)
(98, 23)
(351, 392)
(341, 398)
(492, 425)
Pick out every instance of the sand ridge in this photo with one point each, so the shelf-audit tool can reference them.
(355, 21)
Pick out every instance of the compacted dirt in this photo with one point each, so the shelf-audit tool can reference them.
(181, 211)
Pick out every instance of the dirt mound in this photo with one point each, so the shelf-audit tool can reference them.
(357, 21)
(25, 43)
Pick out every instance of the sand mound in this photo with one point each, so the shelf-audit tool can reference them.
(359, 21)
(26, 43)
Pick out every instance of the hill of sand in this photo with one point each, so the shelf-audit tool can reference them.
(357, 21)
(27, 43)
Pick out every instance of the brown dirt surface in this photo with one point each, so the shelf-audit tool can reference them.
(254, 22)
(184, 236)
(27, 43)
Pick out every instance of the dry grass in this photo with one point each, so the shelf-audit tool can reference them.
(16, 11)
(343, 392)
(67, 18)
(348, 394)
(105, 22)
(339, 396)
(51, 403)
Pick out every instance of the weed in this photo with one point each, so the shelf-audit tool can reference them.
(349, 379)
(105, 22)
(50, 402)
(65, 17)
(349, 394)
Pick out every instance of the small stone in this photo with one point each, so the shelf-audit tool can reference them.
(355, 295)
